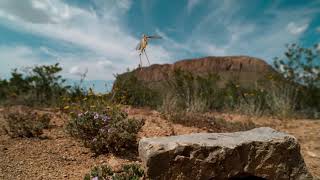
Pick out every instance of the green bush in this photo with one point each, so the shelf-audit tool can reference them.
(3, 90)
(301, 69)
(88, 101)
(192, 93)
(25, 123)
(128, 172)
(108, 131)
(232, 95)
(99, 172)
(128, 90)
(40, 85)
(282, 99)
(253, 102)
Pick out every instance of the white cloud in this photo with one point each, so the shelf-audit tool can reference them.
(318, 47)
(97, 37)
(191, 4)
(35, 11)
(105, 64)
(100, 33)
(75, 70)
(49, 52)
(212, 49)
(17, 57)
(296, 29)
(227, 30)
(171, 43)
(95, 70)
(124, 4)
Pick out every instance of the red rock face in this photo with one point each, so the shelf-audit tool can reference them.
(231, 63)
(243, 68)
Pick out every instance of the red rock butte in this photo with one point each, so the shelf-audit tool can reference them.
(246, 70)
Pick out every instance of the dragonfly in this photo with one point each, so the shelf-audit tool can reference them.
(142, 45)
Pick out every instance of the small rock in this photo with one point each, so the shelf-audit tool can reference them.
(84, 152)
(312, 154)
(68, 158)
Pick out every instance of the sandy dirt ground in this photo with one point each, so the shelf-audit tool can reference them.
(58, 156)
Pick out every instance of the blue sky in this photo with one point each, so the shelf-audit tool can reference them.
(101, 35)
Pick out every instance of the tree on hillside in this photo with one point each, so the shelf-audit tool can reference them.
(302, 66)
(46, 82)
(39, 84)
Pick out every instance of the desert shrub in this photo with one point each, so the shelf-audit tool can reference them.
(253, 102)
(272, 95)
(39, 85)
(4, 91)
(128, 172)
(192, 93)
(108, 131)
(77, 91)
(282, 99)
(46, 83)
(99, 172)
(26, 123)
(232, 95)
(88, 101)
(128, 90)
(301, 69)
(300, 65)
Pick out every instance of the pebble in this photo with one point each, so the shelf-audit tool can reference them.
(84, 152)
(69, 158)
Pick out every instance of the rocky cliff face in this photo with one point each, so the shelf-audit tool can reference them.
(247, 70)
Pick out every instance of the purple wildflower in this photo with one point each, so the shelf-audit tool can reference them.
(105, 118)
(111, 130)
(96, 116)
(103, 129)
(95, 178)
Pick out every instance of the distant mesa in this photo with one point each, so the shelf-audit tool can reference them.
(244, 69)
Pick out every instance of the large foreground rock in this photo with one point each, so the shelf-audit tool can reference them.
(261, 152)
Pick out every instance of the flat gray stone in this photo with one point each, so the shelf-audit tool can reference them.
(261, 152)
